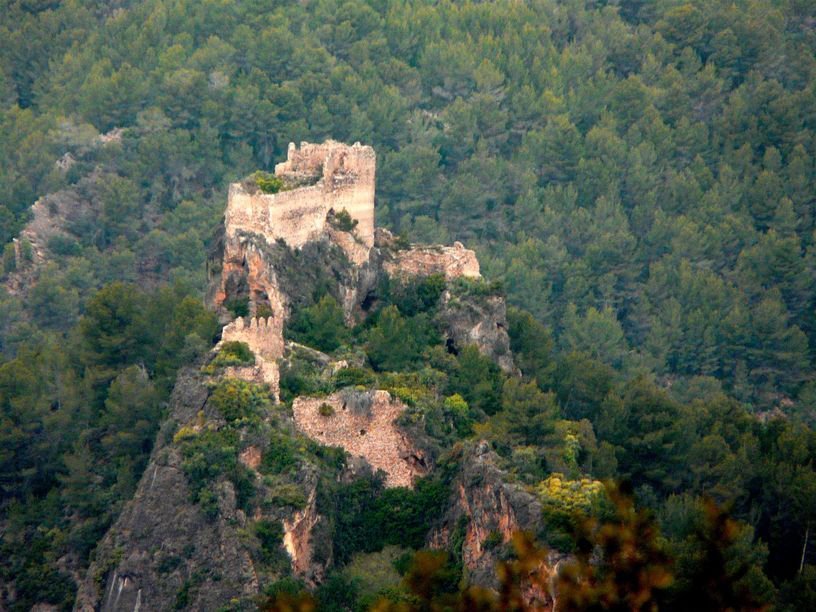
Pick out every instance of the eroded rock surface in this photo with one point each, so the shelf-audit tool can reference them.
(484, 511)
(162, 544)
(479, 320)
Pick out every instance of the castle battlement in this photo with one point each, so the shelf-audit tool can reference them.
(263, 335)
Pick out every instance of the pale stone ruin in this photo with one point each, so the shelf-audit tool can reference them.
(321, 180)
(363, 424)
(264, 336)
(327, 177)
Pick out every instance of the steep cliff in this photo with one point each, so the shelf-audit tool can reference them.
(230, 501)
(484, 512)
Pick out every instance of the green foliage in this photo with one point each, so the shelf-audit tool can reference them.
(233, 354)
(353, 377)
(320, 326)
(414, 294)
(343, 221)
(239, 306)
(301, 375)
(9, 259)
(466, 287)
(63, 246)
(281, 455)
(368, 517)
(532, 346)
(207, 457)
(268, 183)
(270, 537)
(477, 379)
(237, 399)
(397, 343)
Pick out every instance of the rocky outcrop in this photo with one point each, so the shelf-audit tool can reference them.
(473, 318)
(274, 254)
(484, 512)
(362, 423)
(167, 551)
(162, 545)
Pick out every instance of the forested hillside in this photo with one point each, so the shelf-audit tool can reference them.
(639, 176)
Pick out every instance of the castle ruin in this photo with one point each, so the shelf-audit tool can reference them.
(320, 181)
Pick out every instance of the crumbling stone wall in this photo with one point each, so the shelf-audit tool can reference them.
(423, 260)
(345, 180)
(363, 424)
(264, 336)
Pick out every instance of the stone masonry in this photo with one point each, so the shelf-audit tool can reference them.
(343, 178)
(321, 180)
(264, 336)
(363, 424)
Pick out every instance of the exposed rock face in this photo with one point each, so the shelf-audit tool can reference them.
(298, 540)
(479, 320)
(363, 424)
(165, 552)
(484, 513)
(488, 509)
(162, 542)
(50, 215)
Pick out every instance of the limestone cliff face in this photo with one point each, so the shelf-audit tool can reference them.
(166, 551)
(162, 542)
(479, 320)
(484, 511)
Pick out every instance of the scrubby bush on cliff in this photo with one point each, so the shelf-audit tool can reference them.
(280, 455)
(237, 399)
(343, 221)
(268, 183)
(353, 377)
(302, 376)
(238, 306)
(532, 346)
(271, 552)
(206, 457)
(232, 354)
(320, 326)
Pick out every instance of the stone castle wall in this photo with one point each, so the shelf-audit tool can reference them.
(420, 260)
(264, 336)
(344, 177)
(363, 424)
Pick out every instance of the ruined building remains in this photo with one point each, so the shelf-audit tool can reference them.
(259, 264)
(275, 254)
(317, 179)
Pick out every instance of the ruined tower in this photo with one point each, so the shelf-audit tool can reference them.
(318, 178)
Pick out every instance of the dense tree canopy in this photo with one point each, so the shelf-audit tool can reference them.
(639, 175)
